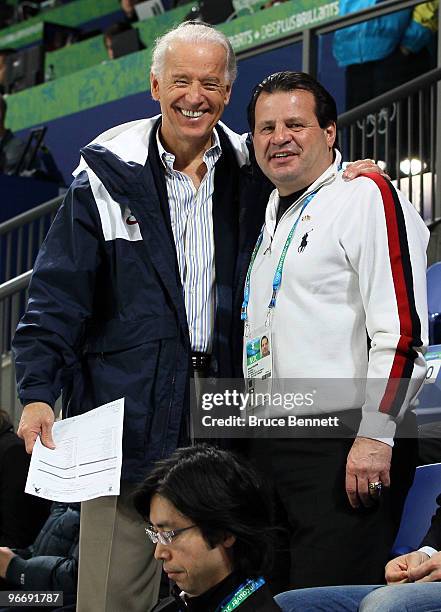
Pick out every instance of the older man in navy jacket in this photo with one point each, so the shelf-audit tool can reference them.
(134, 282)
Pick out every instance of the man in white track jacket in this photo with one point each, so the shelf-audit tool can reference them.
(337, 285)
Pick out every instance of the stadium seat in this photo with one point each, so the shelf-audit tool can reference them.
(419, 507)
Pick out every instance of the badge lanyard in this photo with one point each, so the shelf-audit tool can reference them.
(277, 281)
(240, 594)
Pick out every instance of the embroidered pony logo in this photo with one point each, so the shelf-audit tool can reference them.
(304, 242)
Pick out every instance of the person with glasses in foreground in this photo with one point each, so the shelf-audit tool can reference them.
(209, 516)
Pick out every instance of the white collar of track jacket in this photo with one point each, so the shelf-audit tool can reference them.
(326, 178)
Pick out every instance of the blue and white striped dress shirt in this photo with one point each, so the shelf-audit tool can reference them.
(192, 225)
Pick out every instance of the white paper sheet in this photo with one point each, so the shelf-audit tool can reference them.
(86, 462)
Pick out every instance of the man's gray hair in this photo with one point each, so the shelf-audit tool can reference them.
(194, 32)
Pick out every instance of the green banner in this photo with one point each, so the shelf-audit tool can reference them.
(117, 79)
(73, 14)
(92, 52)
(72, 58)
(79, 91)
(272, 24)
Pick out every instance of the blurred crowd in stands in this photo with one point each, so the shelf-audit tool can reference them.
(117, 34)
(25, 9)
(30, 158)
(24, 68)
(377, 55)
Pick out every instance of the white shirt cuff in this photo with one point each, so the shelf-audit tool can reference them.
(428, 550)
(389, 441)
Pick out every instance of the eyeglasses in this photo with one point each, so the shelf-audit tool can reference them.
(164, 537)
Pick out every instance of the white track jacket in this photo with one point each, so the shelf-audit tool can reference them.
(356, 267)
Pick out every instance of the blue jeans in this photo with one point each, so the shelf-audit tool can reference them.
(415, 597)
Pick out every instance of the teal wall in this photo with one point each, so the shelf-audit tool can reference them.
(72, 14)
(114, 80)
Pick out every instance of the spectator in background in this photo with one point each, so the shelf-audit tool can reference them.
(379, 55)
(7, 14)
(385, 52)
(51, 562)
(21, 515)
(11, 147)
(39, 165)
(128, 8)
(133, 44)
(3, 55)
(209, 516)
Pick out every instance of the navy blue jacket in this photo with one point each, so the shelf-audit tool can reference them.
(106, 315)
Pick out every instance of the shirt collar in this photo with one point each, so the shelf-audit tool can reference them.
(328, 176)
(211, 155)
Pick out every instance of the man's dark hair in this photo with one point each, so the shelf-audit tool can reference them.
(222, 495)
(325, 107)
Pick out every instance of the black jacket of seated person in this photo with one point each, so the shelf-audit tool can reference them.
(211, 601)
(51, 562)
(21, 515)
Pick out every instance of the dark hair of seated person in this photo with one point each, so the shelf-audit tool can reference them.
(221, 494)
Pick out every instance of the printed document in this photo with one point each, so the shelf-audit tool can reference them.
(86, 462)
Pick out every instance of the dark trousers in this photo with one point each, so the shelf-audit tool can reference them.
(324, 540)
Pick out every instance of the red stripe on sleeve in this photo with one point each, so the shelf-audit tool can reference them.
(401, 295)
